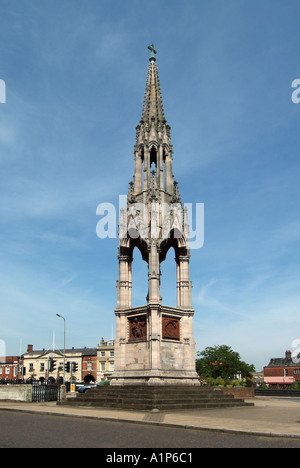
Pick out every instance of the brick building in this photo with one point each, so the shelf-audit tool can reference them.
(282, 372)
(9, 368)
(89, 365)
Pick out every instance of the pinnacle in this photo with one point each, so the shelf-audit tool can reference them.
(153, 108)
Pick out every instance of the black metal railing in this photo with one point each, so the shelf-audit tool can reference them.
(41, 393)
(277, 392)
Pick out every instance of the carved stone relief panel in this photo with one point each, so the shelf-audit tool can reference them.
(138, 327)
(170, 328)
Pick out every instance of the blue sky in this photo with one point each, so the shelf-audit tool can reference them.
(75, 74)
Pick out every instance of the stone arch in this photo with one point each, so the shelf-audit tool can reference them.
(89, 378)
(176, 240)
(182, 258)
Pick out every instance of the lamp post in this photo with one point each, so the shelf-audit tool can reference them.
(64, 378)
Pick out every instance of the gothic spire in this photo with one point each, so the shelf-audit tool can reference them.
(153, 108)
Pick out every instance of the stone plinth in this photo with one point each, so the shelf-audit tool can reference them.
(154, 346)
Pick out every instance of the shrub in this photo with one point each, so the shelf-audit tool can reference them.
(211, 381)
(263, 386)
(295, 386)
(234, 383)
(219, 382)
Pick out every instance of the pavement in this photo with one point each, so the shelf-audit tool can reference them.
(270, 416)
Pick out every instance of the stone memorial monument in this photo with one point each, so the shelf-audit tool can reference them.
(154, 343)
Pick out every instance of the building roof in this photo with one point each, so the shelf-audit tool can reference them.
(83, 351)
(8, 359)
(283, 362)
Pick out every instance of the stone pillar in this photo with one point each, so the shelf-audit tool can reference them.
(138, 173)
(183, 282)
(154, 275)
(146, 169)
(124, 285)
(178, 283)
(160, 169)
(63, 393)
(168, 174)
(155, 337)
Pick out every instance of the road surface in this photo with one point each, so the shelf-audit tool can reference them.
(25, 430)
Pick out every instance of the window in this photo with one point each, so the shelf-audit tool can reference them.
(89, 366)
(7, 370)
(102, 353)
(42, 367)
(112, 354)
(31, 367)
(111, 366)
(102, 366)
(297, 371)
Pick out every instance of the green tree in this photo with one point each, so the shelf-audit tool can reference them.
(222, 361)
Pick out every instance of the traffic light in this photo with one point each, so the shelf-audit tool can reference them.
(52, 365)
(74, 367)
(67, 366)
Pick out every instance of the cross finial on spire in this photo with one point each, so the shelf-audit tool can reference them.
(153, 51)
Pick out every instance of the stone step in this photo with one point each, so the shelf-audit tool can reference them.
(148, 398)
(160, 398)
(148, 406)
(152, 392)
(94, 396)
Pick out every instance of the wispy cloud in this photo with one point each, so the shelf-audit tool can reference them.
(75, 79)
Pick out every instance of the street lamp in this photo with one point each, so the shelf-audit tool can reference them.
(64, 378)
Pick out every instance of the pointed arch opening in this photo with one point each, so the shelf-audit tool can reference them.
(171, 268)
(153, 159)
(142, 156)
(169, 252)
(139, 275)
(168, 279)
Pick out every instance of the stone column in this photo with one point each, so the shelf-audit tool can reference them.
(160, 169)
(183, 282)
(154, 274)
(155, 337)
(146, 169)
(124, 285)
(138, 173)
(168, 174)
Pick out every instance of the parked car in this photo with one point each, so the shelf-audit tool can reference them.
(84, 388)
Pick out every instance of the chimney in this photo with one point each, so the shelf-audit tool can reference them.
(288, 355)
(29, 348)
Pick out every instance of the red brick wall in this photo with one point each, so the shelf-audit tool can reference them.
(279, 372)
(86, 368)
(239, 392)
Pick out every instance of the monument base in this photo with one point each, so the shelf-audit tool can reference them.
(155, 397)
(154, 378)
(154, 346)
